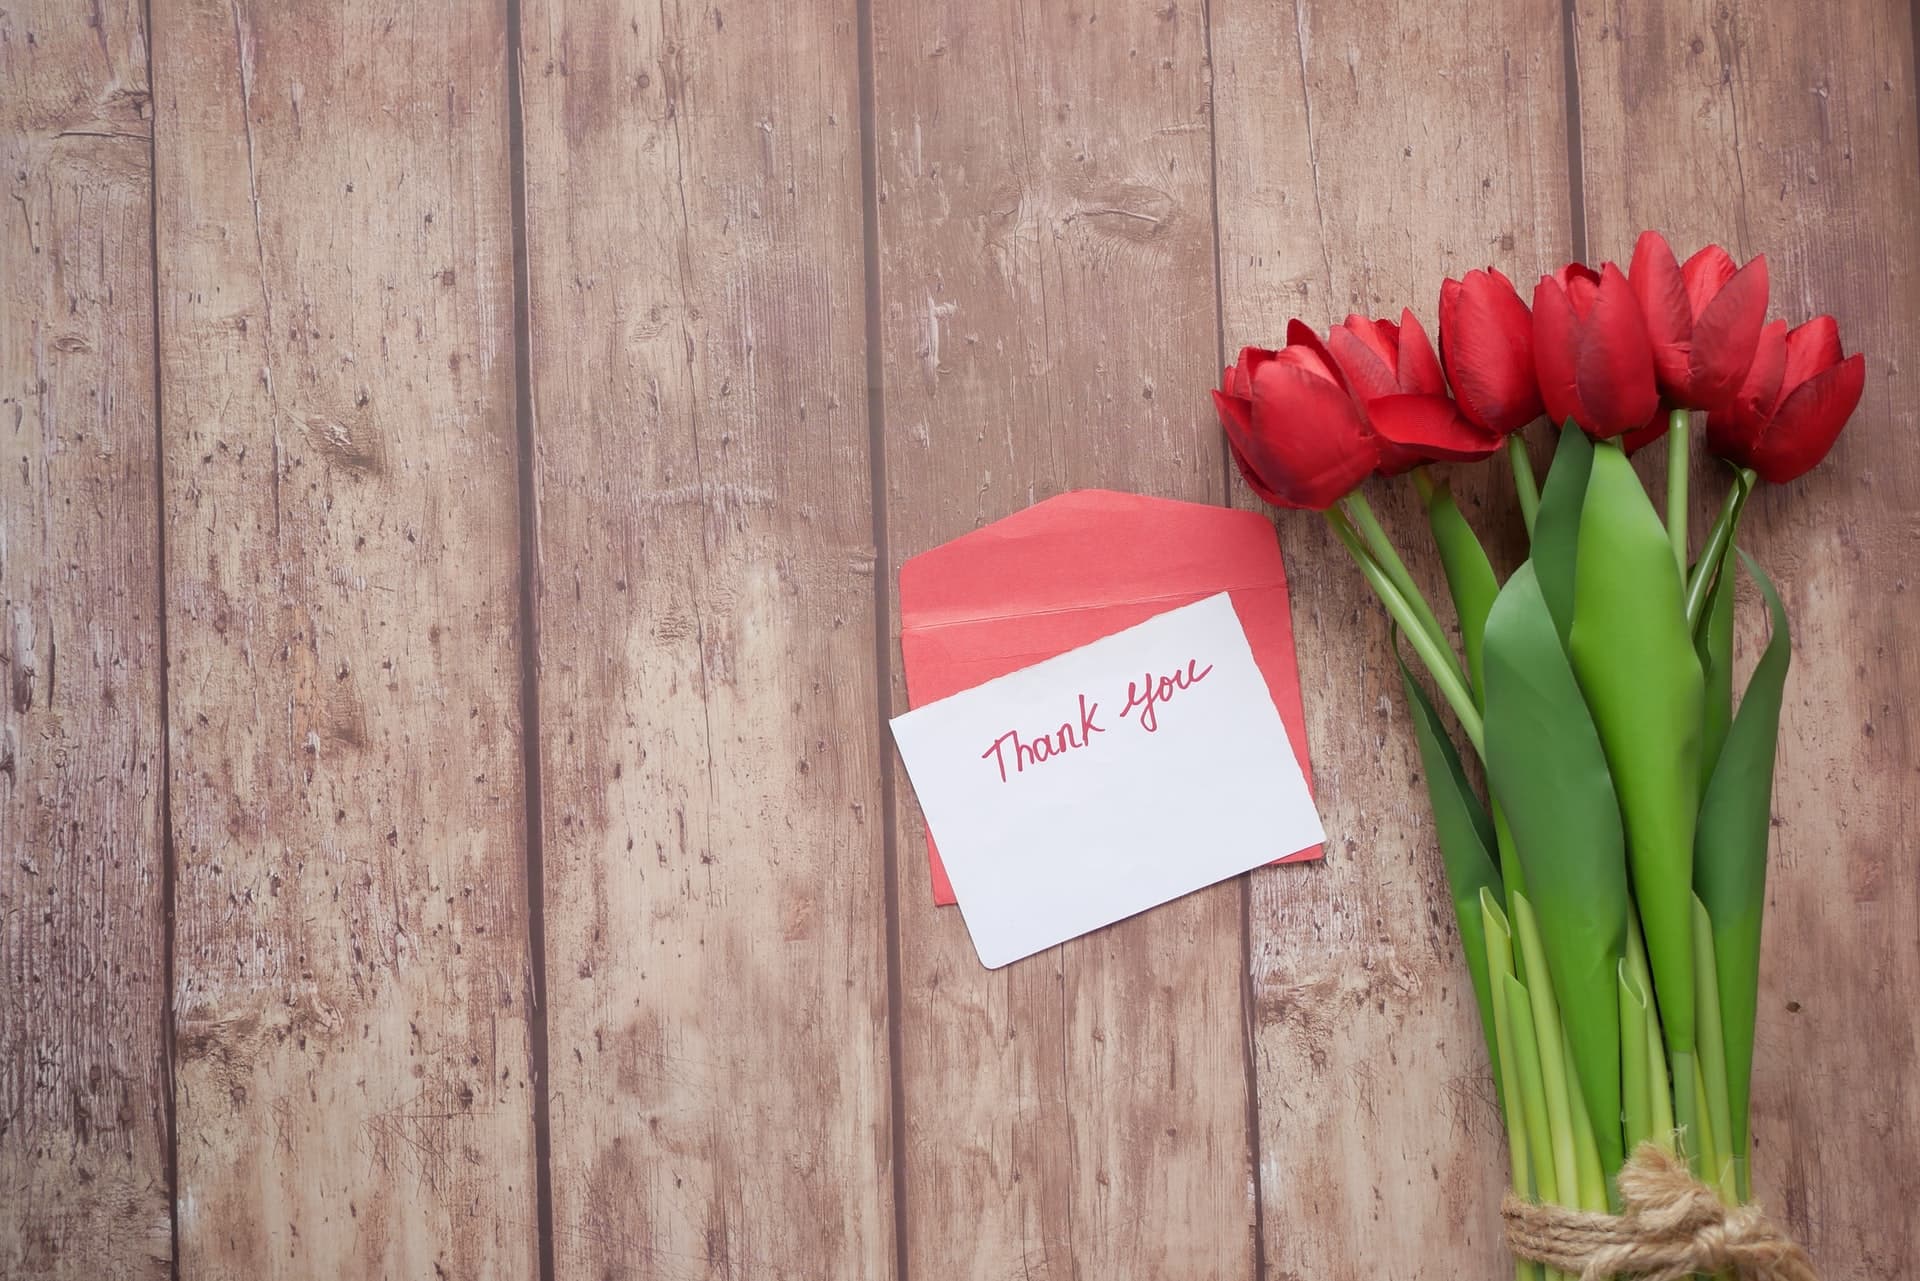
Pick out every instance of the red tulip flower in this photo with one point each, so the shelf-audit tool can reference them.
(1392, 371)
(1703, 319)
(1591, 350)
(1486, 343)
(1296, 434)
(1796, 397)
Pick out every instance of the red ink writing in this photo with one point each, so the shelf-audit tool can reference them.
(1025, 752)
(1150, 692)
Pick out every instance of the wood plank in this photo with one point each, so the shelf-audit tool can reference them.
(1048, 323)
(1356, 169)
(83, 1085)
(713, 843)
(1792, 132)
(337, 370)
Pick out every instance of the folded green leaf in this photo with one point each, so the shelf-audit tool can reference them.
(1556, 528)
(1470, 577)
(1499, 962)
(1636, 1096)
(1730, 854)
(1532, 1090)
(1547, 770)
(1634, 657)
(1465, 833)
(1713, 641)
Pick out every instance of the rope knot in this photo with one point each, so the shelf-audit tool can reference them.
(1670, 1226)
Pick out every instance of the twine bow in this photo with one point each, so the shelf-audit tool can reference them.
(1670, 1226)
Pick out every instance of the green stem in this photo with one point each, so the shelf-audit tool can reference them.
(1686, 1105)
(1499, 941)
(1719, 539)
(1388, 558)
(1439, 660)
(1635, 1089)
(1525, 487)
(1593, 1180)
(1532, 1090)
(1659, 1089)
(1679, 440)
(1554, 1072)
(1711, 1042)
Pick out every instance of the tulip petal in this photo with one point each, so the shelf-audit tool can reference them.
(1809, 421)
(1706, 274)
(1655, 277)
(1733, 430)
(1431, 428)
(1380, 335)
(1486, 343)
(1248, 474)
(1368, 374)
(1419, 368)
(1640, 437)
(1554, 337)
(1725, 334)
(1307, 443)
(1811, 348)
(1304, 346)
(1236, 414)
(1614, 362)
(1251, 358)
(1760, 390)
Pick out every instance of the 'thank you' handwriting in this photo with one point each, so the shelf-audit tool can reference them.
(1013, 753)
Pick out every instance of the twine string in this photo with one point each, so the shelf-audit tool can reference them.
(1670, 1226)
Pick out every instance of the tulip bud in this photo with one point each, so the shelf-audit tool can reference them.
(1486, 343)
(1591, 350)
(1797, 395)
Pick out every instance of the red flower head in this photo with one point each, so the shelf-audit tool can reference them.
(1391, 370)
(1298, 437)
(1796, 398)
(1703, 319)
(1486, 342)
(1591, 351)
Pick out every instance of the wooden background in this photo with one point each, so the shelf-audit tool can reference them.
(456, 462)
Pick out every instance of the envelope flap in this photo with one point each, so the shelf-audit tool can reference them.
(1084, 550)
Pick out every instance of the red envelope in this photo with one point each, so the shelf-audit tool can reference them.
(1083, 565)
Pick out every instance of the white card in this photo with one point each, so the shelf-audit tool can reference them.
(1113, 778)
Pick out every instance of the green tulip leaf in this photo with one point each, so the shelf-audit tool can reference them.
(1714, 644)
(1633, 654)
(1465, 833)
(1556, 528)
(1548, 771)
(1730, 852)
(1470, 578)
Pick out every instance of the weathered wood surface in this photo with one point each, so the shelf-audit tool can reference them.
(337, 397)
(716, 918)
(1047, 323)
(1791, 131)
(1355, 172)
(754, 385)
(83, 1075)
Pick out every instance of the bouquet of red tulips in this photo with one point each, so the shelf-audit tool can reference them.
(1609, 883)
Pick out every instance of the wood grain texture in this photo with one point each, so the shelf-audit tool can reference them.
(713, 841)
(1792, 132)
(83, 1084)
(1048, 323)
(1355, 171)
(336, 340)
